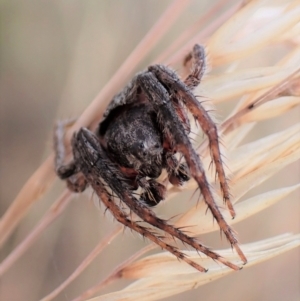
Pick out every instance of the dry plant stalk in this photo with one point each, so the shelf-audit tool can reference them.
(264, 92)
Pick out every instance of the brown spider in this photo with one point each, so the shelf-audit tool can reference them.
(144, 126)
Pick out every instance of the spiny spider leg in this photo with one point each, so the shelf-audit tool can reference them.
(76, 182)
(198, 67)
(92, 175)
(60, 151)
(95, 164)
(180, 91)
(126, 96)
(170, 124)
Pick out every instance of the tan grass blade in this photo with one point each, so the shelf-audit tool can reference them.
(290, 147)
(260, 202)
(253, 179)
(145, 267)
(203, 35)
(272, 109)
(232, 85)
(236, 119)
(289, 67)
(254, 41)
(234, 138)
(191, 31)
(198, 221)
(233, 25)
(176, 278)
(244, 154)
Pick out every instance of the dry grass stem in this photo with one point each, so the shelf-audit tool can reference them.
(176, 278)
(34, 188)
(116, 274)
(55, 210)
(172, 268)
(191, 31)
(202, 36)
(85, 263)
(269, 33)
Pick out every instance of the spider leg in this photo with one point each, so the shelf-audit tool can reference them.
(169, 121)
(183, 92)
(93, 178)
(127, 95)
(198, 67)
(95, 165)
(69, 172)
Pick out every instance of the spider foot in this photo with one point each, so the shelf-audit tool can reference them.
(229, 206)
(240, 253)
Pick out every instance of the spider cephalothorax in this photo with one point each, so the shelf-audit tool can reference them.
(143, 128)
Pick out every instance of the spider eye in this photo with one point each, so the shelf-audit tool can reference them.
(141, 145)
(156, 145)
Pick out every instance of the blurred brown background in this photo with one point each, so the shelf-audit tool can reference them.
(55, 57)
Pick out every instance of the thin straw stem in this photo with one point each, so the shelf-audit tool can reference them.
(230, 123)
(178, 56)
(85, 263)
(34, 188)
(191, 31)
(55, 210)
(116, 274)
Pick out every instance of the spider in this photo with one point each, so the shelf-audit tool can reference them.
(144, 126)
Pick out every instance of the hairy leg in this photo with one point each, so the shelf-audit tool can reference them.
(125, 96)
(123, 218)
(87, 149)
(169, 122)
(76, 182)
(197, 57)
(183, 92)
